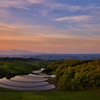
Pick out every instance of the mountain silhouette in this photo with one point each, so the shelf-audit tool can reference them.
(18, 52)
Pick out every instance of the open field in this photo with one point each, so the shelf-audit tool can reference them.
(56, 95)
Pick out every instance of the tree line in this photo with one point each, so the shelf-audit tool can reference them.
(76, 74)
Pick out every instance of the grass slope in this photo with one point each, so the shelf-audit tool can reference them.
(56, 95)
(12, 68)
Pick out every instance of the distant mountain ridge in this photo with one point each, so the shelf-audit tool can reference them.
(18, 52)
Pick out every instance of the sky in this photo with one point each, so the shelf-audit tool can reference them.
(50, 26)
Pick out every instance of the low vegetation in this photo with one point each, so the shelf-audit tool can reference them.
(12, 68)
(42, 64)
(70, 75)
(9, 68)
(56, 95)
(76, 74)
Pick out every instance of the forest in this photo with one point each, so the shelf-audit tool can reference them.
(76, 74)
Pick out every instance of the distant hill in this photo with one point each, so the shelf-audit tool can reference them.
(18, 52)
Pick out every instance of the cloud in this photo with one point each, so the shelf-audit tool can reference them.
(23, 31)
(4, 13)
(36, 1)
(55, 45)
(81, 18)
(69, 7)
(22, 4)
(10, 3)
(82, 31)
(55, 6)
(89, 26)
(46, 31)
(66, 7)
(72, 19)
(45, 39)
(30, 30)
(49, 8)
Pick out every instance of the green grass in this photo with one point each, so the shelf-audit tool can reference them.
(56, 95)
(12, 68)
(5, 89)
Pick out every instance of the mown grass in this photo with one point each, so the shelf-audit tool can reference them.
(56, 95)
(5, 89)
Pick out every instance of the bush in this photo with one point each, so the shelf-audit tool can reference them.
(82, 76)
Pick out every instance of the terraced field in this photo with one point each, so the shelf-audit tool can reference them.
(28, 82)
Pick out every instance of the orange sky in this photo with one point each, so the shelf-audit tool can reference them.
(48, 44)
(54, 26)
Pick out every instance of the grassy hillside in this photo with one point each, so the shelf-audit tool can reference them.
(12, 68)
(43, 64)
